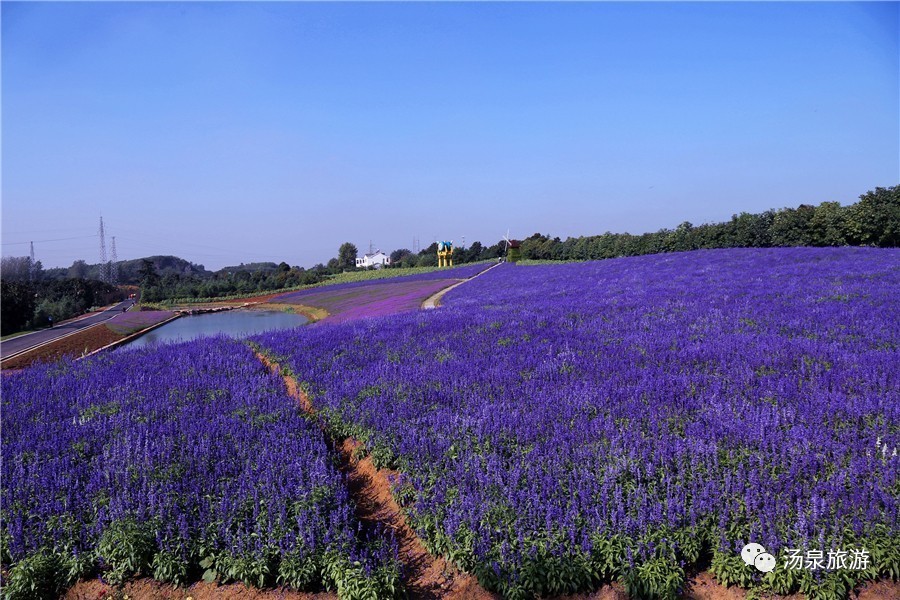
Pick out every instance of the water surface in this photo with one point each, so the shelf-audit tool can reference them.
(233, 323)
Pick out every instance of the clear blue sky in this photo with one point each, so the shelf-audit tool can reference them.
(230, 132)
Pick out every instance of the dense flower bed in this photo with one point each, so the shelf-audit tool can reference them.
(372, 299)
(316, 292)
(562, 425)
(174, 462)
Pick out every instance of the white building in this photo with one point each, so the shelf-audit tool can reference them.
(377, 259)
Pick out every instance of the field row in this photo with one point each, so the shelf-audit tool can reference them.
(178, 462)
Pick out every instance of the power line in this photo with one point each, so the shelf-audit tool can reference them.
(80, 237)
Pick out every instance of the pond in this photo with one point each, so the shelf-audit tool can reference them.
(233, 323)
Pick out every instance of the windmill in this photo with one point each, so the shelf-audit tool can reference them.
(510, 250)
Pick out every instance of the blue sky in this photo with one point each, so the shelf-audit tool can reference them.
(236, 132)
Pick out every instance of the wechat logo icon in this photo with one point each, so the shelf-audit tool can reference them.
(756, 555)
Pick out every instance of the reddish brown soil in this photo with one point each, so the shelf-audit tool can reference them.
(427, 576)
(84, 341)
(881, 590)
(611, 591)
(704, 587)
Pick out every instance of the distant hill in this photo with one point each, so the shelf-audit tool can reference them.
(129, 270)
(265, 267)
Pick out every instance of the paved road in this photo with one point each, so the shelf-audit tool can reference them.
(23, 342)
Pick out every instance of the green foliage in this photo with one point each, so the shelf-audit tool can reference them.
(33, 304)
(298, 571)
(833, 585)
(730, 569)
(873, 221)
(17, 303)
(128, 548)
(37, 577)
(352, 582)
(783, 581)
(427, 260)
(346, 257)
(170, 567)
(656, 579)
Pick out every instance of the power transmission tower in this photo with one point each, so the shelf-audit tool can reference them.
(113, 264)
(32, 269)
(104, 266)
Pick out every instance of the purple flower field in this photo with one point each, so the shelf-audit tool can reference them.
(174, 462)
(555, 427)
(382, 286)
(374, 299)
(558, 426)
(129, 322)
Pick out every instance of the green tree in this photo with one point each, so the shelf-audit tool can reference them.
(398, 255)
(427, 260)
(17, 302)
(346, 258)
(78, 270)
(875, 219)
(828, 225)
(147, 273)
(790, 226)
(409, 260)
(474, 252)
(333, 265)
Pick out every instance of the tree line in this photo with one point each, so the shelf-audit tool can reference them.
(873, 221)
(231, 281)
(28, 301)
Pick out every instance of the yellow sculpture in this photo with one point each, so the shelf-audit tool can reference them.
(445, 254)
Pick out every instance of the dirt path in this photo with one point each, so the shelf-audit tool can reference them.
(145, 588)
(433, 300)
(426, 576)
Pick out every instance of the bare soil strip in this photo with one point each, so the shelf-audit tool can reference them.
(425, 576)
(145, 588)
